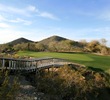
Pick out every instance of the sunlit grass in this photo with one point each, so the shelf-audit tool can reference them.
(90, 60)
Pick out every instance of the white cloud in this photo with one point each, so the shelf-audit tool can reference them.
(9, 9)
(19, 20)
(48, 15)
(32, 8)
(8, 35)
(22, 11)
(27, 11)
(4, 25)
(1, 18)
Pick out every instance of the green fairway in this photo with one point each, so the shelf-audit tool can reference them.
(89, 60)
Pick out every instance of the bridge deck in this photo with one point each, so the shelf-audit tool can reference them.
(31, 64)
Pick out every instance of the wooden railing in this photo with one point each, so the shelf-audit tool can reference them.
(30, 64)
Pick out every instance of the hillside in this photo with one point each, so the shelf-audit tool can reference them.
(52, 39)
(57, 43)
(19, 40)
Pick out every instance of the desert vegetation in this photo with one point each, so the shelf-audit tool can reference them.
(70, 83)
(9, 86)
(64, 83)
(57, 44)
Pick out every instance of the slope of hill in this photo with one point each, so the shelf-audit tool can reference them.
(52, 39)
(20, 40)
(57, 43)
(53, 44)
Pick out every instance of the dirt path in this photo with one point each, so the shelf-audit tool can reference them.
(27, 91)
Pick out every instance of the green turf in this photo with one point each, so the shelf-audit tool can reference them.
(89, 60)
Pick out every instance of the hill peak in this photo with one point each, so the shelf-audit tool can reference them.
(20, 40)
(54, 38)
(57, 38)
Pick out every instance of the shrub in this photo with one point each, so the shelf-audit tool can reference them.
(7, 89)
(71, 84)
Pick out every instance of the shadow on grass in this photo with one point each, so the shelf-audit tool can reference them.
(74, 52)
(95, 69)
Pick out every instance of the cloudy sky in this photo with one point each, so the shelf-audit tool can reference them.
(38, 19)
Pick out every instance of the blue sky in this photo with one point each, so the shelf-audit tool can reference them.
(38, 19)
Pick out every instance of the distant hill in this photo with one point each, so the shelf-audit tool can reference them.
(53, 44)
(60, 44)
(52, 39)
(19, 40)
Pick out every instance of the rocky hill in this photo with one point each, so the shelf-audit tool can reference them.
(19, 40)
(56, 44)
(60, 43)
(53, 43)
(52, 39)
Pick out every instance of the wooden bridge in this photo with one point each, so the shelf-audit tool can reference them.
(31, 65)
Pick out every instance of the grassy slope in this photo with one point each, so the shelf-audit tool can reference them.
(90, 60)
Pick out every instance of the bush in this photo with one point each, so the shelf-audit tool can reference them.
(70, 84)
(7, 89)
(104, 51)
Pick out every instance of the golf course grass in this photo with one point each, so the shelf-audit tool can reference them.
(95, 62)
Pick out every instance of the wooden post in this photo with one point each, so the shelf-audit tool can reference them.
(48, 70)
(27, 65)
(0, 63)
(3, 63)
(24, 64)
(14, 64)
(19, 64)
(36, 69)
(9, 64)
(32, 63)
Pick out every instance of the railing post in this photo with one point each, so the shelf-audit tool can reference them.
(9, 64)
(24, 64)
(14, 64)
(3, 63)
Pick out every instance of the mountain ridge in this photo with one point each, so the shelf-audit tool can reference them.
(53, 38)
(44, 41)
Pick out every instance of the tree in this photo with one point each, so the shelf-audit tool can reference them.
(32, 46)
(22, 46)
(103, 41)
(40, 47)
(94, 46)
(104, 51)
(53, 46)
(83, 42)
